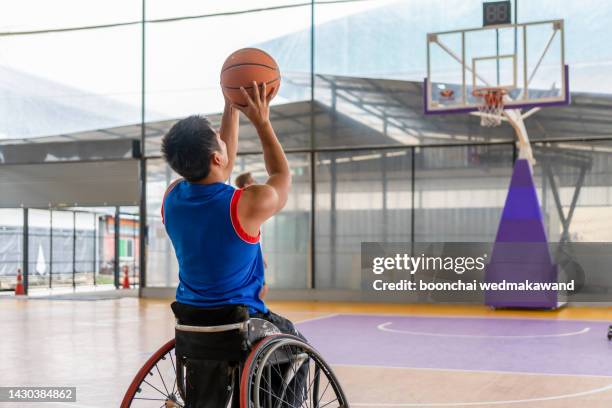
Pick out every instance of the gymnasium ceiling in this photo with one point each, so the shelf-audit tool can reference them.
(357, 112)
(351, 112)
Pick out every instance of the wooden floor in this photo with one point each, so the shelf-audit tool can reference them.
(97, 346)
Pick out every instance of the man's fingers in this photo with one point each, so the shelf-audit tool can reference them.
(240, 108)
(270, 95)
(256, 96)
(247, 97)
(263, 92)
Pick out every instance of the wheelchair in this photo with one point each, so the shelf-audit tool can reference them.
(222, 358)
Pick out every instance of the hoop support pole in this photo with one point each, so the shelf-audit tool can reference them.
(530, 112)
(516, 120)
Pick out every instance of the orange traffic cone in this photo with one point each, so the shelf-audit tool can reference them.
(19, 289)
(126, 277)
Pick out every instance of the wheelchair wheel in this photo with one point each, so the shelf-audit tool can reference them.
(284, 372)
(155, 384)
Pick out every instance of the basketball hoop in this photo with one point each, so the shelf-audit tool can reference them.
(491, 106)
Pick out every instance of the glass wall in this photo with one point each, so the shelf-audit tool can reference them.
(392, 32)
(36, 15)
(460, 192)
(362, 196)
(85, 247)
(87, 76)
(586, 40)
(39, 249)
(365, 121)
(11, 246)
(68, 82)
(367, 164)
(64, 259)
(161, 9)
(184, 57)
(129, 246)
(69, 248)
(162, 267)
(285, 238)
(575, 186)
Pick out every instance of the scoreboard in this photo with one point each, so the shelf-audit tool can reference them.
(496, 13)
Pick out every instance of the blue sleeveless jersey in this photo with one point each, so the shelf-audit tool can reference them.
(219, 263)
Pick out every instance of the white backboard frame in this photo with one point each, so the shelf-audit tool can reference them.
(526, 58)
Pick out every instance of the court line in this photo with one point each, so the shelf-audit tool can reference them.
(383, 327)
(480, 403)
(312, 319)
(463, 370)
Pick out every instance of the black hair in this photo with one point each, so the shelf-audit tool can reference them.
(188, 147)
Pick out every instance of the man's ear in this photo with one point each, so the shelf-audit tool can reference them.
(217, 159)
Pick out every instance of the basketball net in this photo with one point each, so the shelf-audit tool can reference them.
(491, 105)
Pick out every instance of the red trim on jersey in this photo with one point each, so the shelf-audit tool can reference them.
(170, 187)
(236, 223)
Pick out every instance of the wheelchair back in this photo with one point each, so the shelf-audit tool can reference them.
(211, 345)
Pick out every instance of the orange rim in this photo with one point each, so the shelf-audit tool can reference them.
(482, 92)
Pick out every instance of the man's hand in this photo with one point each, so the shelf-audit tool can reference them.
(258, 107)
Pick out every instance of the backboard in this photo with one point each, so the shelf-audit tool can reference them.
(527, 59)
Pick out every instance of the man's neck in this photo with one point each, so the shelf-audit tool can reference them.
(212, 178)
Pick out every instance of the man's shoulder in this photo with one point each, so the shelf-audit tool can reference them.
(173, 184)
(258, 197)
(169, 189)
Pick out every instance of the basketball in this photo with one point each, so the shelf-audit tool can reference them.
(243, 67)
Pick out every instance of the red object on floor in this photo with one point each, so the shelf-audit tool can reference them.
(126, 278)
(19, 289)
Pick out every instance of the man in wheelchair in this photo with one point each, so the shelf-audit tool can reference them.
(215, 231)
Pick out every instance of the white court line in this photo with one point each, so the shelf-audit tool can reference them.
(312, 319)
(383, 327)
(480, 403)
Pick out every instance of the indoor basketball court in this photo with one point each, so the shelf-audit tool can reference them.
(343, 203)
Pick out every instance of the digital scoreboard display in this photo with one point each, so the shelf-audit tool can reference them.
(496, 13)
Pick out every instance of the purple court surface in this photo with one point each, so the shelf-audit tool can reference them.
(573, 347)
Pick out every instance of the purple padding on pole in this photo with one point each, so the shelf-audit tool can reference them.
(521, 175)
(517, 230)
(521, 272)
(520, 205)
(521, 250)
(522, 200)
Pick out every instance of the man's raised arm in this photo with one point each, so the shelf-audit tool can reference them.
(262, 201)
(228, 132)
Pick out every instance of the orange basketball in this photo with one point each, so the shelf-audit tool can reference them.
(243, 67)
